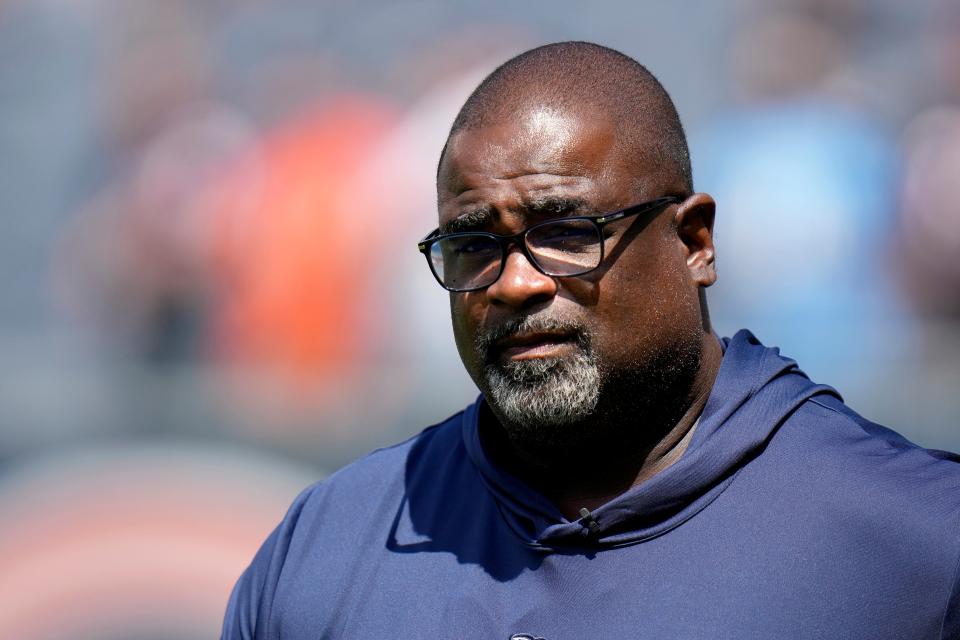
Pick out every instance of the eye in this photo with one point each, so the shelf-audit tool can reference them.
(564, 232)
(560, 231)
(473, 245)
(469, 247)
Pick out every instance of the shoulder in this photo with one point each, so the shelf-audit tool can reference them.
(871, 475)
(866, 447)
(334, 512)
(357, 492)
(387, 469)
(899, 499)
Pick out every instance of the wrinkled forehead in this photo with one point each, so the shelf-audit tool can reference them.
(541, 141)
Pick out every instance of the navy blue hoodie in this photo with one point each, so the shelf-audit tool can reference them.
(788, 516)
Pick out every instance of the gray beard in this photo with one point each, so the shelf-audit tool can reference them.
(536, 398)
(544, 403)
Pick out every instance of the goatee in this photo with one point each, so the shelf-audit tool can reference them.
(537, 398)
(546, 404)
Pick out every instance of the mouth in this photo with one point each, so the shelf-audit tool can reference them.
(535, 344)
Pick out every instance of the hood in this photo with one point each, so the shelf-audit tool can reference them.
(755, 391)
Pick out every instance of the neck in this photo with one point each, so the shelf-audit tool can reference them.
(629, 449)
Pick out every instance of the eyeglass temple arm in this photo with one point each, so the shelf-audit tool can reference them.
(632, 211)
(423, 244)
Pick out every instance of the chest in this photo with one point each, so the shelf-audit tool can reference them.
(682, 585)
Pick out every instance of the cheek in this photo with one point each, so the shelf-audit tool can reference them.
(642, 305)
(465, 316)
(458, 317)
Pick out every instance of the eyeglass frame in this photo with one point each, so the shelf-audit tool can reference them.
(519, 239)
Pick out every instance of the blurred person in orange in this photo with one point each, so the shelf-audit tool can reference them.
(625, 472)
(285, 304)
(206, 253)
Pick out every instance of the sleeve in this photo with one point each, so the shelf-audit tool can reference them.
(243, 608)
(251, 601)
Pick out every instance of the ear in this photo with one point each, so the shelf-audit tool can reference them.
(693, 221)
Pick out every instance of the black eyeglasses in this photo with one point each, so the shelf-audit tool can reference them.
(563, 247)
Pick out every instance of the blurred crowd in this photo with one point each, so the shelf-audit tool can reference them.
(209, 286)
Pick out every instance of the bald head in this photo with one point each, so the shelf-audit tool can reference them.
(585, 77)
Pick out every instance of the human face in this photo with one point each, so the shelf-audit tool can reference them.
(540, 332)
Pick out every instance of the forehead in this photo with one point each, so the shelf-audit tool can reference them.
(540, 150)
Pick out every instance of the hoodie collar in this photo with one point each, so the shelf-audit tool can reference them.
(755, 391)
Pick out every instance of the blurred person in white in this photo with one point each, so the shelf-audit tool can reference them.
(799, 157)
(625, 473)
(129, 262)
(194, 263)
(930, 222)
(928, 235)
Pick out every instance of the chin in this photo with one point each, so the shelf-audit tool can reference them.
(540, 401)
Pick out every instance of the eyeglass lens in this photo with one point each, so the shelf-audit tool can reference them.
(560, 248)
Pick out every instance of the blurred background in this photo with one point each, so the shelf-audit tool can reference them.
(209, 290)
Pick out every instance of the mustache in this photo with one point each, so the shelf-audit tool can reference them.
(529, 324)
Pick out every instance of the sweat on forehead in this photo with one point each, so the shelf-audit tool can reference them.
(571, 76)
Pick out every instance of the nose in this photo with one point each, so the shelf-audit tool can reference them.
(521, 284)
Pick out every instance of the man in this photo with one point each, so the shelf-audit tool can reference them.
(625, 473)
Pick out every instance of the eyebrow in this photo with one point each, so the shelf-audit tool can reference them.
(540, 208)
(469, 220)
(554, 207)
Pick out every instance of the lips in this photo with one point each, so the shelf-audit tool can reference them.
(536, 344)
